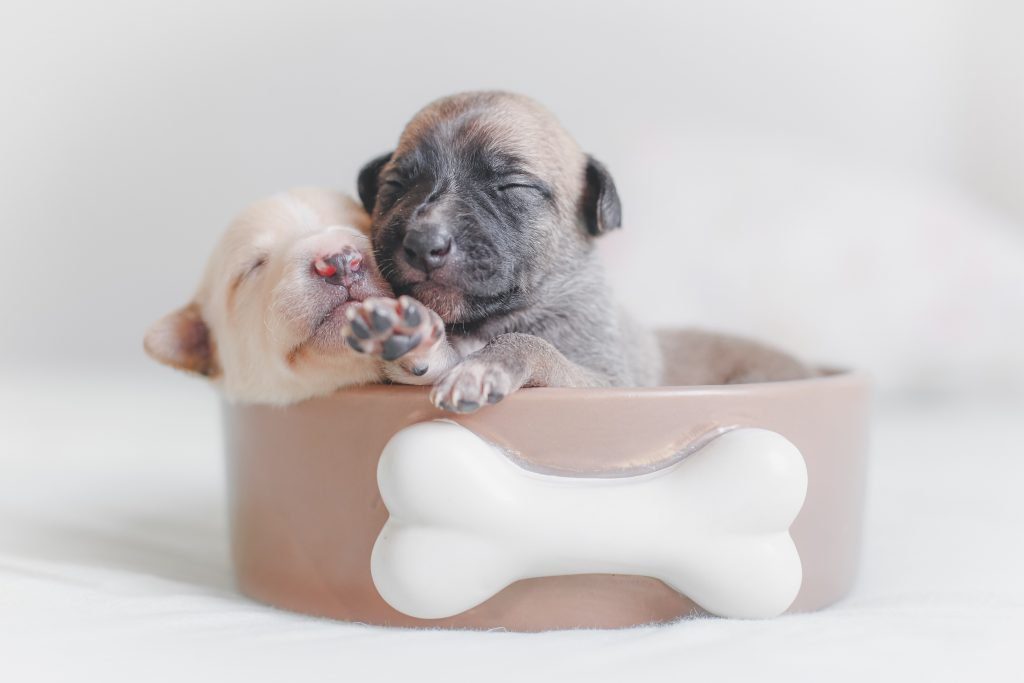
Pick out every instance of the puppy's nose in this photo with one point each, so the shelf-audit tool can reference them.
(427, 248)
(339, 268)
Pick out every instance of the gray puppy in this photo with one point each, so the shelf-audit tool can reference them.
(486, 212)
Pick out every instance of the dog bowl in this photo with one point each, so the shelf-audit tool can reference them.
(306, 507)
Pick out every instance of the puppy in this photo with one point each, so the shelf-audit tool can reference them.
(266, 324)
(487, 212)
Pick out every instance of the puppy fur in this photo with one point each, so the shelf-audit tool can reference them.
(487, 211)
(521, 290)
(265, 325)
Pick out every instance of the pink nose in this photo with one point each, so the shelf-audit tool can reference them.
(339, 268)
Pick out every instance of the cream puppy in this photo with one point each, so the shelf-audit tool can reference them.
(278, 296)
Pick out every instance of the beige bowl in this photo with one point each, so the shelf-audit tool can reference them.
(305, 509)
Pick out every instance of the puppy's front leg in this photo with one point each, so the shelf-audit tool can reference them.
(405, 334)
(506, 363)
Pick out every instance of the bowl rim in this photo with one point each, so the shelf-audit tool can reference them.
(830, 377)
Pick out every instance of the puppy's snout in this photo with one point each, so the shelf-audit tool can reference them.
(341, 267)
(427, 247)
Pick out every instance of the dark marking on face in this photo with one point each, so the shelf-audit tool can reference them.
(459, 214)
(484, 198)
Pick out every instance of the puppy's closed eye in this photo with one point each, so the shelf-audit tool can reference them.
(390, 190)
(518, 186)
(250, 268)
(520, 182)
(523, 189)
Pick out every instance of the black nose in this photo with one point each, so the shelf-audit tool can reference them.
(427, 248)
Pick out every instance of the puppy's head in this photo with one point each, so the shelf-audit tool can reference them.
(265, 323)
(485, 195)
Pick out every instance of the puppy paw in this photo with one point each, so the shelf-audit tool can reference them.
(473, 384)
(400, 330)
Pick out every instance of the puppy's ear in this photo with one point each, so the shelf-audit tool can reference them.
(369, 180)
(182, 340)
(602, 210)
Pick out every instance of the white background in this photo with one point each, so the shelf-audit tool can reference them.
(842, 178)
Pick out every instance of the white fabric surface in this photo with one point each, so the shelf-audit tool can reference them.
(114, 564)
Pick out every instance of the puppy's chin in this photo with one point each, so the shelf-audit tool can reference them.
(447, 301)
(453, 294)
(327, 338)
(324, 339)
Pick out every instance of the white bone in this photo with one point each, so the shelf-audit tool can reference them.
(465, 521)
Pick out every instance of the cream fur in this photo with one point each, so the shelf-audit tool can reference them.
(263, 332)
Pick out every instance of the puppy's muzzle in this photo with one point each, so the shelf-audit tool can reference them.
(427, 247)
(340, 268)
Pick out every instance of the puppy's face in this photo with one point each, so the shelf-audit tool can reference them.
(484, 195)
(266, 321)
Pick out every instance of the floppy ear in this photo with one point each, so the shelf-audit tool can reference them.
(182, 340)
(369, 180)
(602, 210)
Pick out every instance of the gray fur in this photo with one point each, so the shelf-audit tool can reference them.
(522, 279)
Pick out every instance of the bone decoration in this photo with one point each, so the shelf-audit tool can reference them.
(465, 522)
